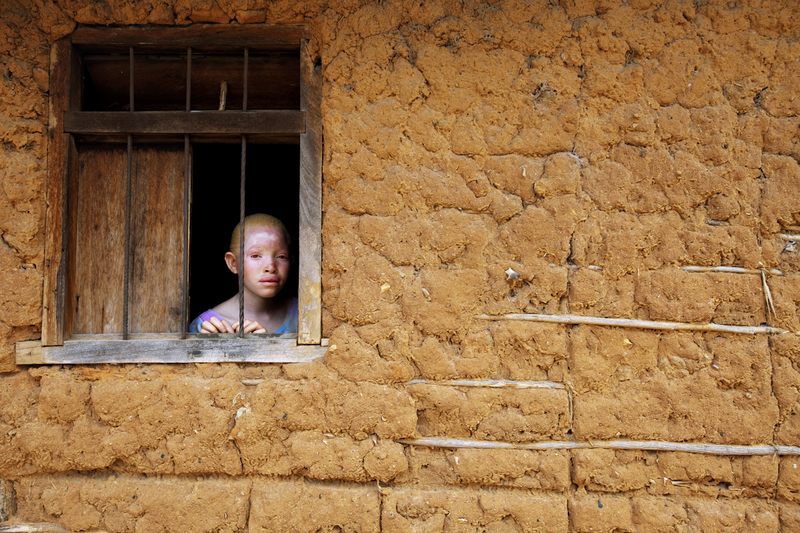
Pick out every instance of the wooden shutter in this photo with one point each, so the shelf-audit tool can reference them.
(97, 240)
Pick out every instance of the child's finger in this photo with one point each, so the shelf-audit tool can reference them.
(258, 328)
(251, 326)
(222, 326)
(208, 327)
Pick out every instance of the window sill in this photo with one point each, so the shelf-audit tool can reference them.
(169, 348)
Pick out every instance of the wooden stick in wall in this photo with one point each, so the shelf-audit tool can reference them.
(223, 95)
(695, 268)
(491, 383)
(768, 301)
(731, 270)
(657, 446)
(630, 323)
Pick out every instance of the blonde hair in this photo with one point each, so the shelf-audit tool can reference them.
(258, 220)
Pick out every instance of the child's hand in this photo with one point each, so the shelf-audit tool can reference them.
(215, 325)
(250, 326)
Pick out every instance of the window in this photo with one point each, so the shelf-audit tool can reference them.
(143, 123)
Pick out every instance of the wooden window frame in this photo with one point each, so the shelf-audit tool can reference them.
(66, 120)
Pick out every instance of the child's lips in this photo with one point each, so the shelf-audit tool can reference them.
(269, 279)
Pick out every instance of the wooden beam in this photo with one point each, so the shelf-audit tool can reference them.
(280, 121)
(309, 320)
(196, 349)
(201, 37)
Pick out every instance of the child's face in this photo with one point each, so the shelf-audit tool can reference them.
(266, 261)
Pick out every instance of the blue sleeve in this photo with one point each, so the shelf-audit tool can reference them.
(290, 323)
(196, 325)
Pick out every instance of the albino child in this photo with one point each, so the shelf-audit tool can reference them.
(267, 262)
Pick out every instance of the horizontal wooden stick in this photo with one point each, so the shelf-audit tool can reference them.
(657, 446)
(788, 237)
(490, 383)
(732, 270)
(630, 323)
(33, 528)
(576, 267)
(693, 268)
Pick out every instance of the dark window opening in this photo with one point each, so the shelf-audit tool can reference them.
(272, 187)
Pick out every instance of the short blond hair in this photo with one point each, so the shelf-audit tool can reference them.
(258, 220)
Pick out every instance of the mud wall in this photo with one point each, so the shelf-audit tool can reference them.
(594, 148)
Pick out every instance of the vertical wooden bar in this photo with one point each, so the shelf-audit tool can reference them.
(185, 271)
(246, 73)
(64, 95)
(189, 79)
(242, 200)
(126, 283)
(130, 87)
(309, 321)
(186, 203)
(127, 278)
(241, 236)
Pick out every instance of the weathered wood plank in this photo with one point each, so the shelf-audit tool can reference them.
(96, 304)
(209, 349)
(309, 327)
(157, 239)
(200, 37)
(280, 121)
(53, 297)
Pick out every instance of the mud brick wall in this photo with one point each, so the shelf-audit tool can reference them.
(596, 148)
